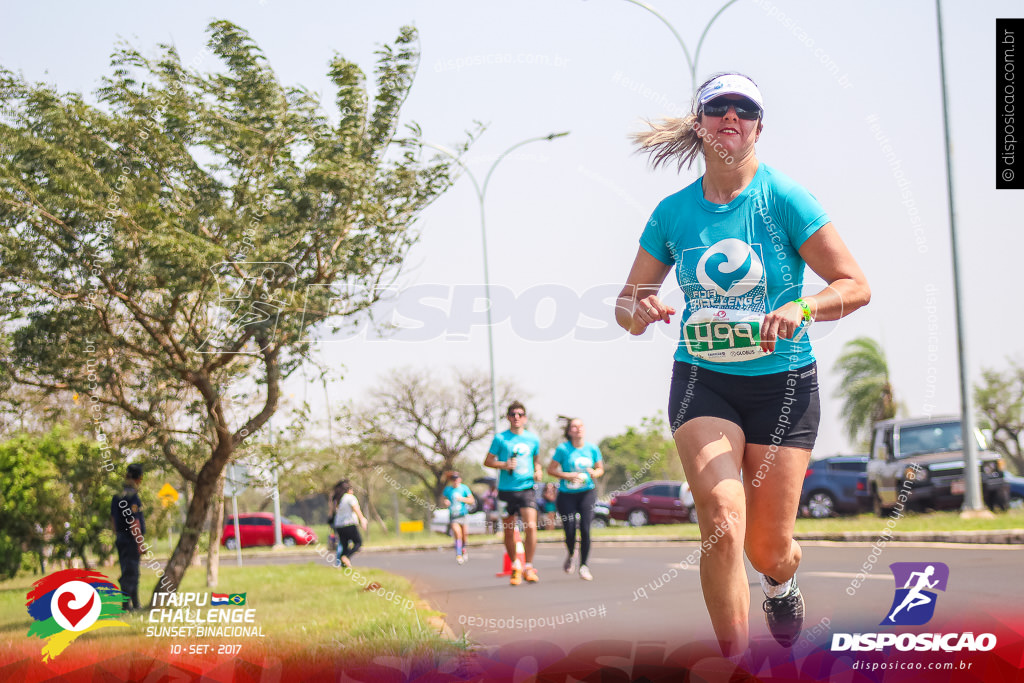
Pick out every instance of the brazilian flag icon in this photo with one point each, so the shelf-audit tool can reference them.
(237, 599)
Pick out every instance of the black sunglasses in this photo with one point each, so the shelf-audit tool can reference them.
(517, 413)
(745, 109)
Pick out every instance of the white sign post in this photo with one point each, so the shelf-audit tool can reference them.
(235, 481)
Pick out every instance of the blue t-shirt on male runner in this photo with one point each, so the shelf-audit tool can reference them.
(525, 447)
(457, 507)
(572, 459)
(741, 255)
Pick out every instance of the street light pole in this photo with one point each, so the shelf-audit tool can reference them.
(481, 193)
(691, 62)
(973, 504)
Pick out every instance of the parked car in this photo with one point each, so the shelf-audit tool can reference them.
(835, 485)
(476, 522)
(602, 515)
(924, 458)
(257, 528)
(654, 502)
(1016, 489)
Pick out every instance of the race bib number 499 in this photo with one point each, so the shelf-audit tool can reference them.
(723, 335)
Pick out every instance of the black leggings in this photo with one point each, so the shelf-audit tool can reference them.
(569, 504)
(348, 534)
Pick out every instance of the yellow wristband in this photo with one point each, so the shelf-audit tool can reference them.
(808, 316)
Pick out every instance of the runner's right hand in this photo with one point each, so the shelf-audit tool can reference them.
(648, 310)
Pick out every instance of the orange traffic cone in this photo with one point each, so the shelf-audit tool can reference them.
(506, 567)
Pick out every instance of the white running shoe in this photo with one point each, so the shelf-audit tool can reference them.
(585, 573)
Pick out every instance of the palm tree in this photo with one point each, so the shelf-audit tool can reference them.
(865, 389)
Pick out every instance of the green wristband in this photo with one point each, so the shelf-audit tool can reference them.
(808, 316)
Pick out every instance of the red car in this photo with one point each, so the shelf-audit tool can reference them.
(654, 502)
(257, 528)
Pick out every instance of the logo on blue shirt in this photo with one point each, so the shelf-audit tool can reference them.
(730, 267)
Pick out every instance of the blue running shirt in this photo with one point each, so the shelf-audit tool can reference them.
(457, 507)
(572, 459)
(741, 255)
(525, 447)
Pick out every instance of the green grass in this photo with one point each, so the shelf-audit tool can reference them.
(931, 521)
(312, 608)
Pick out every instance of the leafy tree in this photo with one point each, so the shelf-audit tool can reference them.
(191, 233)
(640, 454)
(57, 494)
(550, 434)
(1000, 400)
(865, 388)
(86, 484)
(421, 426)
(27, 499)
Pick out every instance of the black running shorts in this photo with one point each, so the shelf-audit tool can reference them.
(781, 409)
(516, 500)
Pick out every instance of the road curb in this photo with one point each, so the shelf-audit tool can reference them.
(982, 537)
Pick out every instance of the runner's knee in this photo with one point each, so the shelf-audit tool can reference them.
(723, 522)
(767, 551)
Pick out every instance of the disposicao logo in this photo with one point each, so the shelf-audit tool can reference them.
(913, 605)
(68, 603)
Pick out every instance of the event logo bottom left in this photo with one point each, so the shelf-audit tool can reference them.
(68, 603)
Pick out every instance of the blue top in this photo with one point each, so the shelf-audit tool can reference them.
(525, 447)
(572, 459)
(457, 507)
(741, 255)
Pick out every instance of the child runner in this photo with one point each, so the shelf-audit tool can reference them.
(458, 498)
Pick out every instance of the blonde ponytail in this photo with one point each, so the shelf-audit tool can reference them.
(670, 138)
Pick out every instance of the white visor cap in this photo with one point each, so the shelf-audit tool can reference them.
(730, 84)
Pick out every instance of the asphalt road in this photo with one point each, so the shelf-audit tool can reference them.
(566, 611)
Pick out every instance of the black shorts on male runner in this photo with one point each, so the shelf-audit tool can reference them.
(780, 409)
(516, 500)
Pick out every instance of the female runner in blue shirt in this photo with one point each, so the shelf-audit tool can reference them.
(743, 401)
(576, 464)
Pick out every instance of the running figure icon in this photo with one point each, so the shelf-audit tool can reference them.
(916, 597)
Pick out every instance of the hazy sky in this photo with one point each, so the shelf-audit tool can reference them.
(853, 112)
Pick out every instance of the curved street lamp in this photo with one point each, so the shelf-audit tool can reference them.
(690, 61)
(481, 193)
